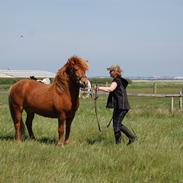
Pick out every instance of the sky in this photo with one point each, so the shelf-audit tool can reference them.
(144, 37)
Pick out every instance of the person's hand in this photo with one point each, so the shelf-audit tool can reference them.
(96, 88)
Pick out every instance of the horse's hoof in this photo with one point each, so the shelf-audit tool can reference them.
(18, 141)
(66, 142)
(60, 145)
(18, 138)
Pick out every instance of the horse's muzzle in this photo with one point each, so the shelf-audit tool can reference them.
(83, 82)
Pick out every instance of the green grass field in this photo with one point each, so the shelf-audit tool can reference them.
(92, 156)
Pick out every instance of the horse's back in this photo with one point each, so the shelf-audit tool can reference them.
(20, 87)
(17, 88)
(24, 88)
(33, 96)
(40, 98)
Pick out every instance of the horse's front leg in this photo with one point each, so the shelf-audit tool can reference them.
(60, 132)
(68, 129)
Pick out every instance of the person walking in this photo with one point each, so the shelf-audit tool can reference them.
(118, 100)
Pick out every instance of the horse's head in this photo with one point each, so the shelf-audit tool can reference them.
(76, 68)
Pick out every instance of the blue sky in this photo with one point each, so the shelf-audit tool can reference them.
(145, 37)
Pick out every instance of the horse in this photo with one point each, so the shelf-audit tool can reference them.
(58, 100)
(86, 92)
(45, 80)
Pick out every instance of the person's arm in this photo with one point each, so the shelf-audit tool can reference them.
(108, 89)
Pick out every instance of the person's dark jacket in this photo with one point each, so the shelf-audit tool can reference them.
(118, 98)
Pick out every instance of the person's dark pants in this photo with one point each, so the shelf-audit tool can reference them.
(118, 116)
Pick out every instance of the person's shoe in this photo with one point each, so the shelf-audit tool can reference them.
(118, 137)
(132, 140)
(118, 141)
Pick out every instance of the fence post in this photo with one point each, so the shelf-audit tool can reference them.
(155, 88)
(172, 104)
(180, 101)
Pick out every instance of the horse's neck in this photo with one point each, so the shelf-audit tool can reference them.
(65, 85)
(69, 89)
(74, 91)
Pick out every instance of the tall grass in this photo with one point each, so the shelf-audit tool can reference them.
(92, 156)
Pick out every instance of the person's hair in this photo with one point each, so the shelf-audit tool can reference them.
(116, 69)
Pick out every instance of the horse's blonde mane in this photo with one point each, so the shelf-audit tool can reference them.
(73, 62)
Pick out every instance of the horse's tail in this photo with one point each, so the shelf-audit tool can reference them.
(9, 99)
(12, 111)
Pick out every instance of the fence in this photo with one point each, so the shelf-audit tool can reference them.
(172, 96)
(154, 91)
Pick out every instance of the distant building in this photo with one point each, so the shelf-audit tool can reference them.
(25, 74)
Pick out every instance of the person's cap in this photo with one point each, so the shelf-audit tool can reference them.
(114, 67)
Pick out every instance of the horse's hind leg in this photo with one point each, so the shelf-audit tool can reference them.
(30, 117)
(18, 123)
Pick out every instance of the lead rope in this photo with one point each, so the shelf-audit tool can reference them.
(95, 106)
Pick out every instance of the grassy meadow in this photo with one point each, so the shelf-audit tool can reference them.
(92, 156)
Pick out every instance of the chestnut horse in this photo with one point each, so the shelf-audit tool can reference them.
(58, 100)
